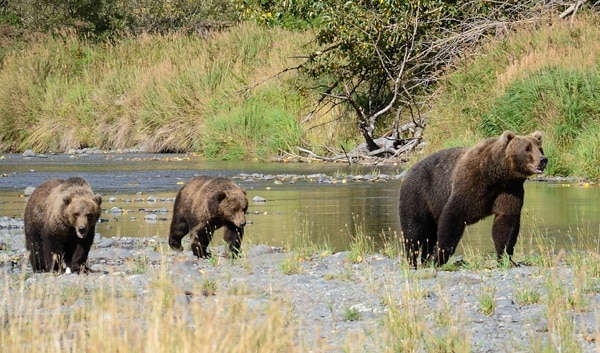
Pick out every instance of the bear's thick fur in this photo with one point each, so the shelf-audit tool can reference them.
(60, 221)
(452, 188)
(205, 204)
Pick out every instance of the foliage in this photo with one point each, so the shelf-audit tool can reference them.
(289, 14)
(93, 18)
(543, 78)
(376, 57)
(361, 245)
(290, 265)
(527, 296)
(351, 314)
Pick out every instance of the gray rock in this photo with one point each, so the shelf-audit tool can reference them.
(28, 154)
(115, 210)
(4, 258)
(317, 299)
(106, 243)
(259, 250)
(28, 191)
(151, 218)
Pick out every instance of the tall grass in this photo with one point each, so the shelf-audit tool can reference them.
(258, 128)
(160, 93)
(545, 78)
(565, 104)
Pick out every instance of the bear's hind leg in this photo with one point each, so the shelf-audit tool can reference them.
(53, 252)
(233, 236)
(36, 254)
(419, 239)
(179, 228)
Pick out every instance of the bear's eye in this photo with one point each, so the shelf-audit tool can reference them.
(528, 148)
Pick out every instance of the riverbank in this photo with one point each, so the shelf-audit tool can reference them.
(144, 297)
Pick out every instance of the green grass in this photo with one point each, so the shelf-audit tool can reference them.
(290, 265)
(540, 78)
(259, 128)
(563, 104)
(527, 296)
(487, 301)
(351, 314)
(361, 243)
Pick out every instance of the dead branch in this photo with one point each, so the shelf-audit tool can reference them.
(390, 147)
(572, 10)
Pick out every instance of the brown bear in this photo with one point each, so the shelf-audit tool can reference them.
(60, 221)
(205, 204)
(455, 187)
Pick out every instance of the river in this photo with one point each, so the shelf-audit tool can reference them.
(305, 202)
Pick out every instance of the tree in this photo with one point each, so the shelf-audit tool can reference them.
(380, 58)
(114, 18)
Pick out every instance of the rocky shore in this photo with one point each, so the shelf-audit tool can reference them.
(336, 304)
(341, 306)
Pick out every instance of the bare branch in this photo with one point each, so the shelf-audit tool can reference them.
(572, 10)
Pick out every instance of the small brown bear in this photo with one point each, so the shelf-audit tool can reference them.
(60, 222)
(203, 205)
(455, 187)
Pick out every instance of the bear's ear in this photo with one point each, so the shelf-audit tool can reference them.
(67, 200)
(538, 136)
(221, 195)
(507, 136)
(97, 199)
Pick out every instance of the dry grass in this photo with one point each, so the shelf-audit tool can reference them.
(426, 310)
(156, 92)
(61, 317)
(68, 313)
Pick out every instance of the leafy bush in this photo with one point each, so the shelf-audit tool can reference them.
(93, 18)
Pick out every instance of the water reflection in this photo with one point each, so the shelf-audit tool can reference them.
(566, 215)
(300, 212)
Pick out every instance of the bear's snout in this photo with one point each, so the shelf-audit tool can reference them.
(81, 231)
(542, 163)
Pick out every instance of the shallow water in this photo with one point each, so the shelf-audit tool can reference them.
(138, 192)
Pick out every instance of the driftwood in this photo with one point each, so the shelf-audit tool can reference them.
(391, 148)
(572, 10)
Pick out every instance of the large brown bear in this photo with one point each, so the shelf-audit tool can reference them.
(455, 187)
(203, 205)
(60, 221)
